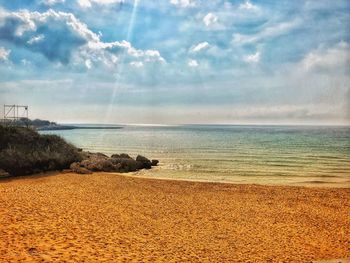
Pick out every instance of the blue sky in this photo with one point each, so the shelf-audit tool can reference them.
(177, 61)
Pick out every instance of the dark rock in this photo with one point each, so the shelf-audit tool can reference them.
(105, 166)
(146, 163)
(87, 155)
(98, 163)
(126, 164)
(75, 167)
(130, 165)
(154, 162)
(117, 160)
(83, 170)
(116, 163)
(3, 173)
(124, 155)
(100, 155)
(117, 167)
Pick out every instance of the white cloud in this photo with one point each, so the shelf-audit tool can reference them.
(335, 57)
(36, 39)
(25, 62)
(84, 3)
(268, 32)
(210, 19)
(108, 53)
(192, 63)
(52, 2)
(247, 5)
(252, 58)
(89, 3)
(88, 64)
(136, 64)
(4, 54)
(199, 47)
(208, 50)
(183, 3)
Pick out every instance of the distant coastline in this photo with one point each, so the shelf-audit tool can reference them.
(45, 125)
(71, 127)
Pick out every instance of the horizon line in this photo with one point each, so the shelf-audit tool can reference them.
(209, 124)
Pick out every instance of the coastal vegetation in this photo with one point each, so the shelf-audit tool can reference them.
(24, 151)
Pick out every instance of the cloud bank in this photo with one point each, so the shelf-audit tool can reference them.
(180, 60)
(60, 36)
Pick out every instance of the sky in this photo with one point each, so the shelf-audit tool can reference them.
(177, 61)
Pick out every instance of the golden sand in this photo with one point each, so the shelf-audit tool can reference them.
(108, 217)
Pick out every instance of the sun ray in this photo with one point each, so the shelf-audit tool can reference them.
(121, 64)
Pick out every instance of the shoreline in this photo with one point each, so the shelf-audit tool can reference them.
(111, 217)
(140, 174)
(150, 174)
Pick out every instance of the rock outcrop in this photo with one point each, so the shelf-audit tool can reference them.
(154, 162)
(144, 161)
(77, 168)
(98, 162)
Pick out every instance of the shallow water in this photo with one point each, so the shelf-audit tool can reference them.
(242, 154)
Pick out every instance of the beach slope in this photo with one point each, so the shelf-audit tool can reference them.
(110, 217)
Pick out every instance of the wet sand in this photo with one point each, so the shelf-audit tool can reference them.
(110, 218)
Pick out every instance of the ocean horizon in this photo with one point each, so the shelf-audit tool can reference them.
(307, 155)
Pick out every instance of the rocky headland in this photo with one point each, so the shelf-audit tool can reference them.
(24, 151)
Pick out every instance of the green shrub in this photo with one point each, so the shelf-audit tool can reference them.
(24, 151)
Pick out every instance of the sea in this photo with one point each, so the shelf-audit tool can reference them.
(270, 155)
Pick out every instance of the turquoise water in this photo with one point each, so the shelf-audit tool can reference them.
(292, 155)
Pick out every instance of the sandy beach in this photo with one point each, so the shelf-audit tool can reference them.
(111, 218)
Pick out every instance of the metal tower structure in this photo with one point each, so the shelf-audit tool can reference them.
(14, 113)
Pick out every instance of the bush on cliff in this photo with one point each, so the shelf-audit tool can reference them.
(24, 151)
